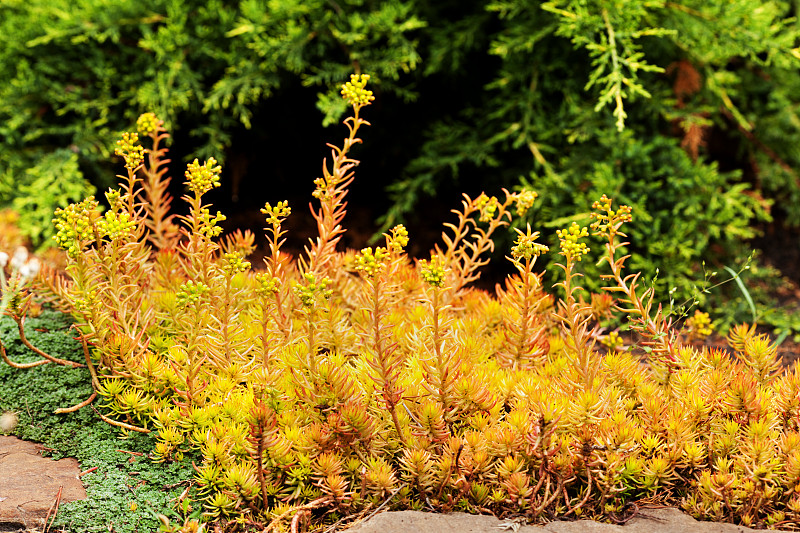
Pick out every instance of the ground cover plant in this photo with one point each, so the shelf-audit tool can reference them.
(316, 390)
(125, 490)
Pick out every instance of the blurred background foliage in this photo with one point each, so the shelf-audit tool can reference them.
(686, 110)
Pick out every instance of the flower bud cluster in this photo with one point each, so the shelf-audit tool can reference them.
(86, 303)
(278, 213)
(115, 225)
(700, 325)
(208, 224)
(524, 201)
(606, 219)
(398, 239)
(267, 284)
(570, 247)
(148, 123)
(114, 199)
(74, 226)
(370, 263)
(612, 341)
(526, 247)
(308, 293)
(354, 90)
(488, 207)
(191, 292)
(129, 149)
(203, 178)
(433, 273)
(234, 263)
(320, 189)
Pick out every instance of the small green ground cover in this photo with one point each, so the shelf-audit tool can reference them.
(125, 491)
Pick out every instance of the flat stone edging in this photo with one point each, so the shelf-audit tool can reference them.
(29, 484)
(647, 520)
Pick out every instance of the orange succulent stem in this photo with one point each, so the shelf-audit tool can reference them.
(20, 320)
(331, 191)
(311, 358)
(385, 367)
(19, 366)
(226, 316)
(444, 375)
(155, 184)
(574, 318)
(658, 329)
(275, 266)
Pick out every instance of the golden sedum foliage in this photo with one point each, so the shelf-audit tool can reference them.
(327, 385)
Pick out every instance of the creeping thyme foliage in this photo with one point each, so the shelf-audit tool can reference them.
(203, 178)
(129, 149)
(354, 91)
(571, 248)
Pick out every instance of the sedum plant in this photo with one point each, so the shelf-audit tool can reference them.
(319, 389)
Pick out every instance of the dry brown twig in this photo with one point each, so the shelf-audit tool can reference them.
(53, 509)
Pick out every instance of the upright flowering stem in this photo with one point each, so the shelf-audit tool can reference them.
(574, 316)
(233, 263)
(191, 300)
(311, 293)
(129, 148)
(274, 281)
(663, 341)
(443, 370)
(202, 226)
(163, 233)
(526, 345)
(385, 361)
(331, 188)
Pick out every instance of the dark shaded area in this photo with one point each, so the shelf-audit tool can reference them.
(281, 155)
(780, 245)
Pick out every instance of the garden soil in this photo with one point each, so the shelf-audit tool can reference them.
(30, 485)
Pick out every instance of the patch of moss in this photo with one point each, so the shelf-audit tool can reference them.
(126, 490)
